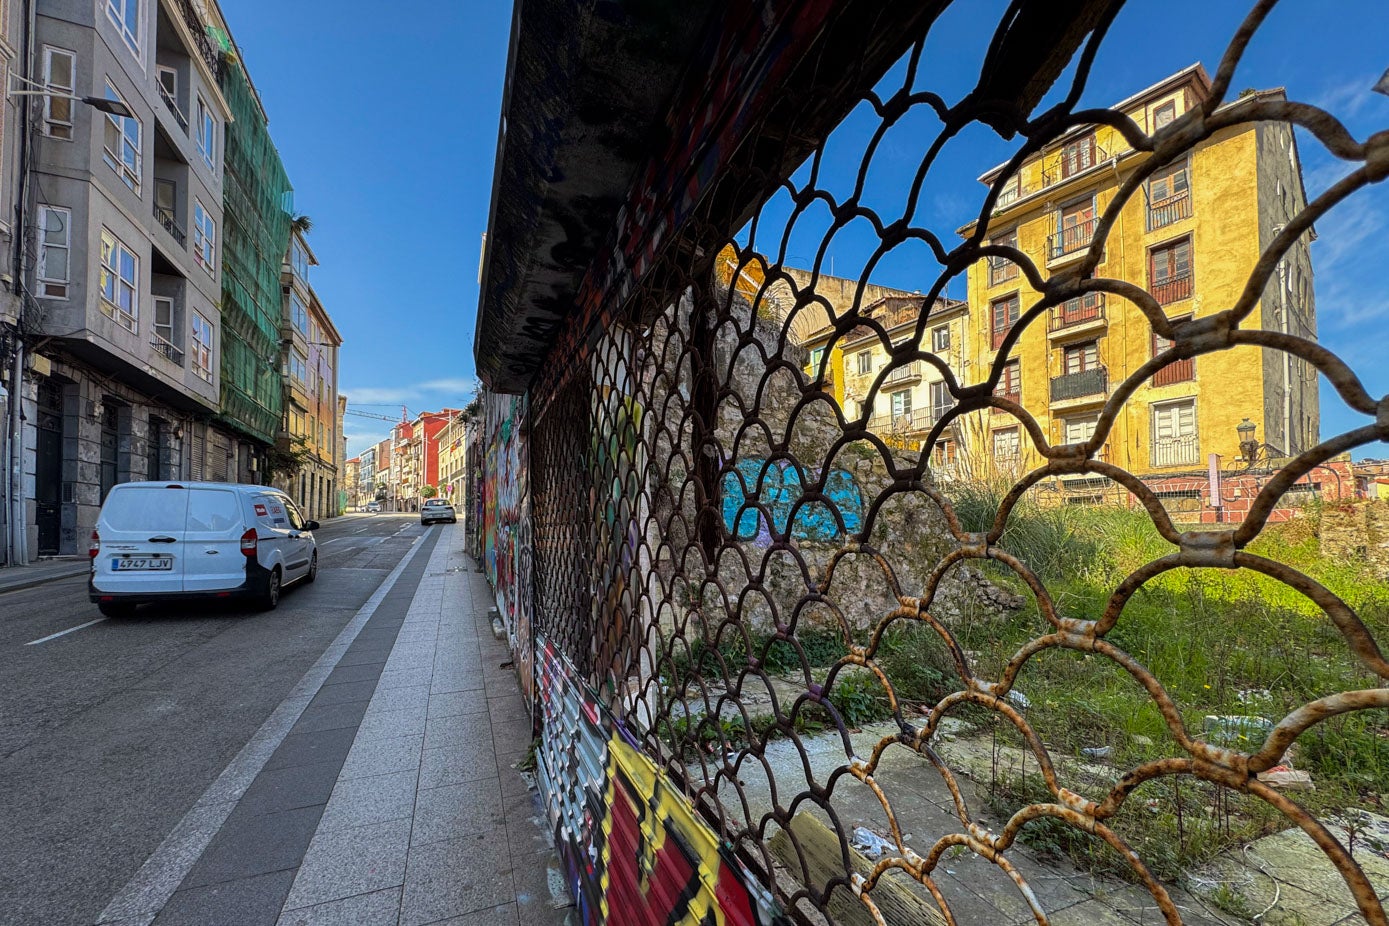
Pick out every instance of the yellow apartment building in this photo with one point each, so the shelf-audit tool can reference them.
(1190, 236)
(911, 395)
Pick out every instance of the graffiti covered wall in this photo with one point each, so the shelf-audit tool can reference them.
(506, 541)
(633, 849)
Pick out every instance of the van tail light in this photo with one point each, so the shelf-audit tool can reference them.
(249, 540)
(94, 545)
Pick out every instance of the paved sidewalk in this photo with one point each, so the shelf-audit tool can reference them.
(384, 790)
(13, 578)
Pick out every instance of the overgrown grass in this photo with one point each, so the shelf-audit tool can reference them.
(1220, 642)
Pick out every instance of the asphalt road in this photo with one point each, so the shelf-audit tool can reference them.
(110, 733)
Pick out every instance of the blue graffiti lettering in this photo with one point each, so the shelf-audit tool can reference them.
(781, 487)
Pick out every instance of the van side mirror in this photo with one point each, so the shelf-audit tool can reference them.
(311, 526)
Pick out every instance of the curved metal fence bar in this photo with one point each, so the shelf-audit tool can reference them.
(706, 513)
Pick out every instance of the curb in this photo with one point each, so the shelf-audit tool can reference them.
(19, 583)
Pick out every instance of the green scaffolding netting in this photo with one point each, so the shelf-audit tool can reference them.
(257, 201)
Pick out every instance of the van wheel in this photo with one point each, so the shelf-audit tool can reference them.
(313, 569)
(116, 609)
(270, 598)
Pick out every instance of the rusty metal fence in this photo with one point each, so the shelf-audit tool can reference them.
(705, 515)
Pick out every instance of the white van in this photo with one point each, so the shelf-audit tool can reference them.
(157, 541)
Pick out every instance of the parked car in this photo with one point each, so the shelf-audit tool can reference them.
(373, 507)
(437, 509)
(162, 541)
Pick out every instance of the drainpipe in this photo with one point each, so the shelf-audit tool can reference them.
(17, 547)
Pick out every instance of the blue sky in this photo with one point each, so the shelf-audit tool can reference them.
(389, 135)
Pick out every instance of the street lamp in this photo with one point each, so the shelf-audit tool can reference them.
(114, 107)
(1248, 446)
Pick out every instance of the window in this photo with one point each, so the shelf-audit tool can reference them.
(207, 133)
(1169, 271)
(59, 68)
(298, 315)
(1164, 114)
(119, 281)
(1009, 191)
(941, 400)
(901, 404)
(865, 362)
(125, 14)
(1010, 381)
(122, 144)
(940, 338)
(1169, 196)
(1006, 445)
(55, 243)
(1077, 156)
(296, 423)
(168, 82)
(1080, 430)
(1001, 269)
(311, 381)
(164, 323)
(1004, 315)
(1174, 434)
(1081, 357)
(1178, 372)
(298, 368)
(944, 453)
(202, 347)
(299, 257)
(1075, 227)
(204, 238)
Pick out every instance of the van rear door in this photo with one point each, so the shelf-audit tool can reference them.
(141, 530)
(212, 558)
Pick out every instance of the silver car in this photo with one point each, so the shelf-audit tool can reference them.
(437, 509)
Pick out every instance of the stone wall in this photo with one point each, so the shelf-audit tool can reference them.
(1357, 532)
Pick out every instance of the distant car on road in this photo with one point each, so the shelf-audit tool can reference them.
(158, 541)
(373, 507)
(437, 509)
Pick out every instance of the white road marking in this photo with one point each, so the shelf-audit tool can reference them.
(54, 636)
(359, 530)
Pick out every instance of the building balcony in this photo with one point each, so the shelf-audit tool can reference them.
(919, 421)
(172, 105)
(1181, 371)
(1176, 451)
(198, 30)
(1001, 270)
(166, 218)
(1073, 162)
(1071, 240)
(1083, 385)
(1173, 289)
(1079, 314)
(1167, 211)
(166, 349)
(910, 373)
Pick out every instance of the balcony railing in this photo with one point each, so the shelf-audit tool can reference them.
(166, 218)
(167, 348)
(1180, 372)
(1079, 385)
(1001, 269)
(194, 21)
(904, 374)
(1172, 209)
(1078, 160)
(921, 419)
(1176, 451)
(1071, 239)
(1077, 311)
(1173, 289)
(170, 102)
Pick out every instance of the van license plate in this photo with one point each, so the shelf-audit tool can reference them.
(133, 564)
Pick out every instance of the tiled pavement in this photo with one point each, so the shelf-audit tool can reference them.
(394, 797)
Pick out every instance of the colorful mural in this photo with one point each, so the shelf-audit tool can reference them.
(781, 486)
(506, 524)
(633, 848)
